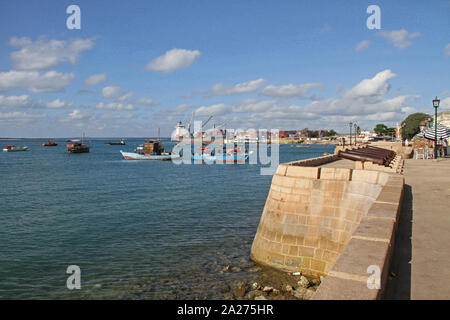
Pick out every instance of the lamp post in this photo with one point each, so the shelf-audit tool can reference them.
(402, 132)
(356, 127)
(436, 106)
(350, 136)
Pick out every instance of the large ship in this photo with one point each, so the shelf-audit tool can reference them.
(212, 135)
(180, 132)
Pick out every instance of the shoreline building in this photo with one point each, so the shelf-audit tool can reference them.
(443, 118)
(398, 131)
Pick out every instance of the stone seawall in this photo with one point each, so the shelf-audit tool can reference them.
(331, 222)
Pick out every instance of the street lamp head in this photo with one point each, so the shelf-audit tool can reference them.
(436, 102)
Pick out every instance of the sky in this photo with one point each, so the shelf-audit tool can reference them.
(136, 66)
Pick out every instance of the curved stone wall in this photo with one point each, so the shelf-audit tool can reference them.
(311, 214)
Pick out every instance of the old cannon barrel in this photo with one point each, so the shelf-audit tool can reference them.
(387, 154)
(364, 151)
(375, 149)
(369, 154)
(358, 157)
(375, 155)
(381, 150)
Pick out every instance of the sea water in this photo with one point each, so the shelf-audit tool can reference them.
(136, 229)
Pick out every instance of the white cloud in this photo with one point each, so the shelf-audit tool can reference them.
(445, 103)
(213, 110)
(252, 105)
(173, 59)
(125, 96)
(43, 54)
(77, 115)
(95, 79)
(359, 106)
(408, 110)
(364, 103)
(15, 101)
(117, 106)
(111, 92)
(145, 102)
(378, 85)
(279, 111)
(447, 50)
(362, 45)
(58, 104)
(33, 81)
(267, 110)
(113, 116)
(290, 90)
(22, 116)
(399, 38)
(240, 88)
(182, 108)
(84, 91)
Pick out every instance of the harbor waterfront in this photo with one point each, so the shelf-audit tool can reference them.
(136, 229)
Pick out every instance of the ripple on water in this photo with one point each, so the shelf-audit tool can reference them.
(137, 230)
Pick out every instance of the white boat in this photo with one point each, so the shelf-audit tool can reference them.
(15, 149)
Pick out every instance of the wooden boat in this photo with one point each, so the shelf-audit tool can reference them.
(121, 143)
(49, 143)
(232, 155)
(13, 148)
(137, 156)
(150, 150)
(221, 158)
(77, 146)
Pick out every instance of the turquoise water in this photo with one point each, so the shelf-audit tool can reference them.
(137, 229)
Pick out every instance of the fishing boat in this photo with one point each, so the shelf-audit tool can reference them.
(77, 146)
(121, 143)
(221, 158)
(50, 143)
(14, 148)
(150, 150)
(232, 155)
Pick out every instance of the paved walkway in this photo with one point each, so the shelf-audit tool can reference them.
(421, 265)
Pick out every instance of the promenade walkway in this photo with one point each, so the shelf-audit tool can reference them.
(421, 265)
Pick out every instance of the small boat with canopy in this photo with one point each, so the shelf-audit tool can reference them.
(13, 148)
(150, 150)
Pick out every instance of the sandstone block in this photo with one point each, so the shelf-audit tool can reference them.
(365, 176)
(335, 174)
(303, 172)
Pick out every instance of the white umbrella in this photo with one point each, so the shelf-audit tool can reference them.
(442, 132)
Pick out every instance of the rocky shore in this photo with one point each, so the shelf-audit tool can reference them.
(243, 280)
(273, 285)
(228, 274)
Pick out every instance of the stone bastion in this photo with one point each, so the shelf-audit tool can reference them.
(339, 223)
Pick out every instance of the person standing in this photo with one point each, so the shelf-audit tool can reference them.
(444, 147)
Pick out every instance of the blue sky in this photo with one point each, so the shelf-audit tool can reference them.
(250, 64)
